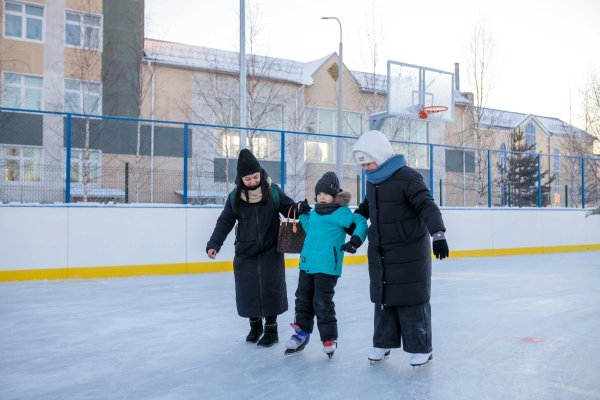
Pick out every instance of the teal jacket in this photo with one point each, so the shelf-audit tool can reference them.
(325, 236)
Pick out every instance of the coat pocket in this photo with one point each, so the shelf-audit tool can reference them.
(246, 247)
(335, 257)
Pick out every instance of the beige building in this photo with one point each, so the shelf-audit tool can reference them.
(60, 56)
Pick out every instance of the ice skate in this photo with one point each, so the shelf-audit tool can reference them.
(378, 354)
(298, 341)
(418, 359)
(329, 347)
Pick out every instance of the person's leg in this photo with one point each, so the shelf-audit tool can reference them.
(416, 327)
(387, 332)
(325, 307)
(416, 332)
(271, 336)
(304, 313)
(256, 330)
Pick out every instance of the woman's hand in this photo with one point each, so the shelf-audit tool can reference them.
(212, 253)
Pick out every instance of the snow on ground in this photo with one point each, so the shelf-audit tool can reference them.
(522, 327)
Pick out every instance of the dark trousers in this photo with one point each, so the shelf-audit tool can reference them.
(410, 325)
(314, 297)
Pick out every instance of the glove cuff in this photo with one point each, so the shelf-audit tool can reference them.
(438, 236)
(355, 240)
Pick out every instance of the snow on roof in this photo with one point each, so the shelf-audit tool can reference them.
(368, 81)
(511, 120)
(204, 58)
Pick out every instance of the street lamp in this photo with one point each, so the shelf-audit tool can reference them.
(339, 166)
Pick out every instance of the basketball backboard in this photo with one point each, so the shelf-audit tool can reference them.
(410, 88)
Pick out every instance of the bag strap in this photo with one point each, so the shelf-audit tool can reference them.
(294, 219)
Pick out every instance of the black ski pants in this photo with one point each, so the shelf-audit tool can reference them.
(314, 297)
(410, 325)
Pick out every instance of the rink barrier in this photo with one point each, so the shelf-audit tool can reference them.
(40, 242)
(227, 266)
(140, 270)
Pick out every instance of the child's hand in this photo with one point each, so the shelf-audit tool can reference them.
(303, 207)
(353, 244)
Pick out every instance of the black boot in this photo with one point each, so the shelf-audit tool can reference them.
(256, 329)
(270, 337)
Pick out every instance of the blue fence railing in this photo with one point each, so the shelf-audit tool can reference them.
(49, 157)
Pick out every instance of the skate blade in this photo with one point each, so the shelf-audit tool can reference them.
(290, 352)
(330, 355)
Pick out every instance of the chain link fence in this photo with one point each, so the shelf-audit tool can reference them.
(130, 161)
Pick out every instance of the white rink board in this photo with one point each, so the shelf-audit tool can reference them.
(38, 237)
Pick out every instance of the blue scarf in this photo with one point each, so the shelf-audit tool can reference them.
(386, 169)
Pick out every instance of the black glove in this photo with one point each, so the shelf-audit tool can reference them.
(351, 245)
(350, 230)
(440, 246)
(303, 207)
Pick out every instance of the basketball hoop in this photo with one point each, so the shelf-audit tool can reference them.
(425, 111)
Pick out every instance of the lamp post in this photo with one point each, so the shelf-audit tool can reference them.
(339, 165)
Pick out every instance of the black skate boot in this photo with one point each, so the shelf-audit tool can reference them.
(256, 329)
(270, 337)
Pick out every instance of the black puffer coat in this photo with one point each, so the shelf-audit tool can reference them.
(259, 270)
(403, 216)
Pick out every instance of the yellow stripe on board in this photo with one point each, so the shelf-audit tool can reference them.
(225, 266)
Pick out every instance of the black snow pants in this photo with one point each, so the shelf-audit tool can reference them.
(314, 297)
(409, 324)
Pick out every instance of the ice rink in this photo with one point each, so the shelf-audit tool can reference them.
(520, 327)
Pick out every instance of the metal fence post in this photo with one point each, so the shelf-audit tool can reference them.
(539, 183)
(185, 162)
(68, 161)
(582, 183)
(431, 171)
(282, 166)
(489, 179)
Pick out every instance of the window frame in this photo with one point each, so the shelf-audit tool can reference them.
(80, 109)
(80, 173)
(22, 159)
(83, 30)
(22, 87)
(530, 134)
(23, 15)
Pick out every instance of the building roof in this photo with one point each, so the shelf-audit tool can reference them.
(209, 59)
(511, 120)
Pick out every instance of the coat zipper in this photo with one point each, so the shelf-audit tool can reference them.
(335, 257)
(260, 293)
(376, 196)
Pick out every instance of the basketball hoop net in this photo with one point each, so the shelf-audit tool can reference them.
(425, 111)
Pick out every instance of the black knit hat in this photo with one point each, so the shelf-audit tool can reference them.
(329, 184)
(247, 164)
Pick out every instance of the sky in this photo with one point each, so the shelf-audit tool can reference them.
(544, 50)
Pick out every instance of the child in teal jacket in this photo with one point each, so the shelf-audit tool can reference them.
(321, 262)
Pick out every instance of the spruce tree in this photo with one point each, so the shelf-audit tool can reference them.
(519, 175)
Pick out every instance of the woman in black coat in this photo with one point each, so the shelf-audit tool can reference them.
(403, 216)
(258, 268)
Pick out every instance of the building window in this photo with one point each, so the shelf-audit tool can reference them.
(20, 163)
(460, 161)
(530, 136)
(83, 97)
(23, 21)
(413, 138)
(266, 145)
(86, 166)
(83, 30)
(21, 91)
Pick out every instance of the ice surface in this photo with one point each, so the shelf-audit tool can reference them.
(523, 327)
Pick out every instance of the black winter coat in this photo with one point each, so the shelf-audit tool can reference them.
(258, 268)
(403, 216)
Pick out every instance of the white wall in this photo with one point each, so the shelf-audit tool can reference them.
(38, 237)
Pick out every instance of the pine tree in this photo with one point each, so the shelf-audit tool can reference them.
(519, 175)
